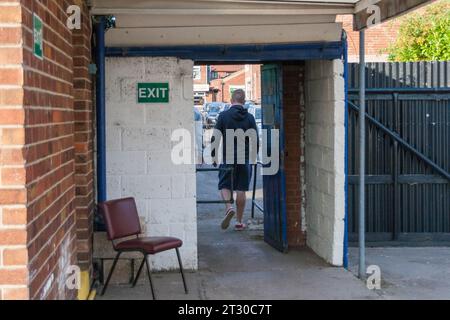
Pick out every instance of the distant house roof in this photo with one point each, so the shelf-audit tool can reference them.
(227, 68)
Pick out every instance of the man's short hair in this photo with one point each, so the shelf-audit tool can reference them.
(238, 96)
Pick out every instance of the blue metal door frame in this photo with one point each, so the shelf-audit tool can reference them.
(242, 53)
(275, 219)
(207, 54)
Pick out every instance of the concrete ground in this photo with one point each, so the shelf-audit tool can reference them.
(240, 265)
(409, 273)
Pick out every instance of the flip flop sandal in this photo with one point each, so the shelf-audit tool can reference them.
(227, 219)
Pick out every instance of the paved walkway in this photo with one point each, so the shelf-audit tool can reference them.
(409, 273)
(240, 265)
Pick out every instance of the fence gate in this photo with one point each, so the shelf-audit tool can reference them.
(407, 153)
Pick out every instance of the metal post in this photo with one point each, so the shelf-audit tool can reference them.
(345, 58)
(100, 29)
(362, 154)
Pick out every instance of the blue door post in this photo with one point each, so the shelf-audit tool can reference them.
(100, 29)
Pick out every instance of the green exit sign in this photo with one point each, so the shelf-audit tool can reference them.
(38, 37)
(153, 92)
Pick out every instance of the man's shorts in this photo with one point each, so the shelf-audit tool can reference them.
(242, 175)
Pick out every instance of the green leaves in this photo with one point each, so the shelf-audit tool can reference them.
(424, 37)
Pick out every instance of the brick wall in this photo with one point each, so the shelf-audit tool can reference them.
(203, 75)
(294, 124)
(253, 82)
(224, 85)
(13, 196)
(84, 135)
(39, 150)
(378, 39)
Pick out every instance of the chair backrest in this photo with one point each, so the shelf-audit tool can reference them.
(121, 218)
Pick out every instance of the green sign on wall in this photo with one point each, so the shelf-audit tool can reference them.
(153, 92)
(38, 37)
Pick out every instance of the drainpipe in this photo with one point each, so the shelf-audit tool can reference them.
(100, 29)
(345, 57)
(362, 156)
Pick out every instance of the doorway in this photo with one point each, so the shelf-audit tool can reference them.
(168, 202)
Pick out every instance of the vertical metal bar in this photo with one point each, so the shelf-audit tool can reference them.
(255, 167)
(181, 270)
(396, 215)
(344, 44)
(362, 154)
(100, 28)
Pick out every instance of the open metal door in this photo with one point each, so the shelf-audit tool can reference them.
(274, 188)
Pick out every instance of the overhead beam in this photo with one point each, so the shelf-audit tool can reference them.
(222, 12)
(262, 34)
(388, 9)
(143, 21)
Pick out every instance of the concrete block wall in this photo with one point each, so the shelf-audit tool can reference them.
(324, 152)
(139, 150)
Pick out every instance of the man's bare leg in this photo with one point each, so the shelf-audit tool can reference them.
(240, 205)
(226, 195)
(230, 212)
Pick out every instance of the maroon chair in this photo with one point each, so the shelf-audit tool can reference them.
(122, 220)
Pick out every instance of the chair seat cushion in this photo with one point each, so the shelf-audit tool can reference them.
(149, 245)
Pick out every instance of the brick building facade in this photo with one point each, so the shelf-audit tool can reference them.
(46, 165)
(222, 88)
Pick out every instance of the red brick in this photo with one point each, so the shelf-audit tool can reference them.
(11, 76)
(11, 36)
(13, 136)
(13, 176)
(15, 257)
(12, 116)
(11, 96)
(17, 276)
(15, 293)
(12, 237)
(11, 14)
(11, 55)
(12, 196)
(15, 216)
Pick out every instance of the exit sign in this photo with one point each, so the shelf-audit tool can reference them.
(38, 37)
(153, 92)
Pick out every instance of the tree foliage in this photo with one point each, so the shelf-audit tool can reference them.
(424, 36)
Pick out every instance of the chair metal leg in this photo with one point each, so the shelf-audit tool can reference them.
(111, 272)
(138, 273)
(181, 270)
(149, 277)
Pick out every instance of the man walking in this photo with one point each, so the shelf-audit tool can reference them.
(239, 135)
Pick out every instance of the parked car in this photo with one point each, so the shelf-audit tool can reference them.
(214, 108)
(248, 104)
(214, 105)
(255, 110)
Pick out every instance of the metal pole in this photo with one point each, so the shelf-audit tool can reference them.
(345, 58)
(362, 154)
(100, 29)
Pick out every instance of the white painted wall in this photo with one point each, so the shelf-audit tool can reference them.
(139, 150)
(325, 151)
